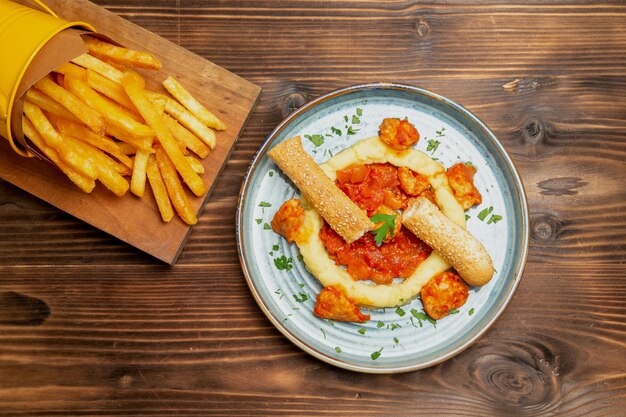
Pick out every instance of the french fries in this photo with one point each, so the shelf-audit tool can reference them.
(122, 56)
(174, 188)
(89, 116)
(94, 119)
(135, 88)
(159, 190)
(186, 99)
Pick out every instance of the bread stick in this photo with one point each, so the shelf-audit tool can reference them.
(342, 215)
(455, 244)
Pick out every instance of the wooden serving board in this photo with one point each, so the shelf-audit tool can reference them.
(131, 219)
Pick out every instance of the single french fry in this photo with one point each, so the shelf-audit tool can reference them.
(188, 120)
(159, 190)
(107, 168)
(138, 180)
(181, 134)
(120, 55)
(159, 102)
(185, 98)
(195, 164)
(89, 116)
(54, 140)
(134, 86)
(112, 114)
(80, 180)
(99, 66)
(174, 187)
(109, 88)
(73, 70)
(49, 105)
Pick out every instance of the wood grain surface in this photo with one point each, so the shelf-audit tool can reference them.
(91, 326)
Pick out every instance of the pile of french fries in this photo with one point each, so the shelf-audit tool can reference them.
(94, 118)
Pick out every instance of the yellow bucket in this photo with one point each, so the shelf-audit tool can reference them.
(23, 33)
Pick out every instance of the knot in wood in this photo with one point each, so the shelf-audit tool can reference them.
(22, 310)
(422, 28)
(544, 228)
(513, 381)
(534, 131)
(291, 103)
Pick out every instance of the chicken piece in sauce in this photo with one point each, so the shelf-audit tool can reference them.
(461, 179)
(288, 220)
(333, 304)
(443, 293)
(398, 134)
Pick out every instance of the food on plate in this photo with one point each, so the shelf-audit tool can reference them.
(398, 134)
(455, 244)
(388, 263)
(332, 303)
(341, 213)
(288, 220)
(95, 120)
(444, 293)
(461, 179)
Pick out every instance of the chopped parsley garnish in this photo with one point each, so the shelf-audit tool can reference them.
(395, 340)
(258, 221)
(359, 111)
(351, 131)
(376, 354)
(471, 311)
(495, 218)
(331, 322)
(266, 226)
(275, 247)
(483, 214)
(469, 164)
(380, 324)
(419, 315)
(345, 118)
(400, 312)
(317, 140)
(301, 297)
(362, 330)
(337, 349)
(389, 224)
(395, 326)
(283, 263)
(323, 332)
(355, 120)
(433, 144)
(279, 292)
(440, 132)
(271, 173)
(336, 131)
(455, 311)
(467, 217)
(300, 258)
(265, 204)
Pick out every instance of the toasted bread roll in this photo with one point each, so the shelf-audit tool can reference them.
(455, 244)
(344, 216)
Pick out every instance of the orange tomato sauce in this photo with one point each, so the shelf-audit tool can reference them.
(371, 186)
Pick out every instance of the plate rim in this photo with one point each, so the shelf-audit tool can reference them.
(519, 188)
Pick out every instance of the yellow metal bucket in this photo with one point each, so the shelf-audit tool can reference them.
(23, 33)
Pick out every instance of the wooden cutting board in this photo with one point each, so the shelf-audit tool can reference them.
(131, 219)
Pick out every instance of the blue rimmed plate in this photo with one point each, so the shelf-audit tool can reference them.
(394, 340)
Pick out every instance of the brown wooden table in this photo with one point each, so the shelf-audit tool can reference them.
(89, 325)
